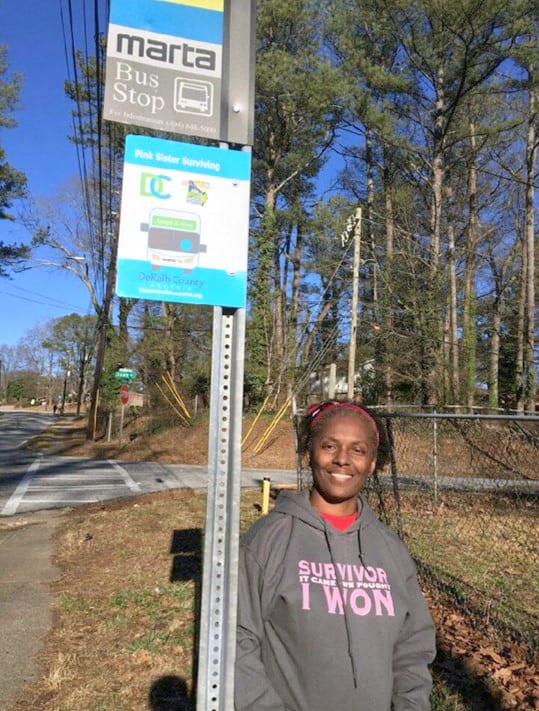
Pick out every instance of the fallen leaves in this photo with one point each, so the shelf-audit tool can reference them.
(503, 676)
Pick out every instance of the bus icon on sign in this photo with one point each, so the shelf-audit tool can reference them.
(174, 239)
(193, 97)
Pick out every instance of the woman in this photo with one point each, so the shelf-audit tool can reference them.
(330, 614)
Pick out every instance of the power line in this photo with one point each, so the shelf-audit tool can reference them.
(72, 74)
(49, 299)
(59, 305)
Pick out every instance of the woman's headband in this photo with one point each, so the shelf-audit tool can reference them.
(314, 411)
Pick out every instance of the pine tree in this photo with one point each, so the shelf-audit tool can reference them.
(12, 181)
(297, 100)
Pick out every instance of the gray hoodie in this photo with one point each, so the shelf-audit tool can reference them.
(329, 620)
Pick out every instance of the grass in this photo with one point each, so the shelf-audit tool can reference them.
(488, 543)
(124, 625)
(444, 700)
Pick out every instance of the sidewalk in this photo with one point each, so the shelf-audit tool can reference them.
(26, 571)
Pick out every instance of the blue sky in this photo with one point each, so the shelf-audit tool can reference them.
(39, 147)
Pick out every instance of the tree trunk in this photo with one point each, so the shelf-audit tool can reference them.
(265, 302)
(494, 353)
(469, 306)
(80, 379)
(169, 315)
(387, 315)
(446, 356)
(519, 374)
(278, 360)
(293, 336)
(529, 238)
(125, 307)
(103, 324)
(372, 264)
(431, 350)
(452, 335)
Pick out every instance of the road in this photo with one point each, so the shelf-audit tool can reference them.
(32, 482)
(17, 427)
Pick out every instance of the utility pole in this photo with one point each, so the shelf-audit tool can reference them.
(103, 324)
(353, 226)
(67, 375)
(332, 380)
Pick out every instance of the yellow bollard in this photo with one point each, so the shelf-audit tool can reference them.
(266, 485)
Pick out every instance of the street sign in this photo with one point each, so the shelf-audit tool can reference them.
(124, 394)
(182, 66)
(164, 65)
(125, 374)
(184, 223)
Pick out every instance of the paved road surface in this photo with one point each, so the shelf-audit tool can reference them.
(18, 426)
(49, 482)
(34, 482)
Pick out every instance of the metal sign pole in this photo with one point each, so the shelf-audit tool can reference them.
(231, 121)
(122, 411)
(216, 655)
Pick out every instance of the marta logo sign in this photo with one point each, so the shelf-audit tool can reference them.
(164, 81)
(180, 55)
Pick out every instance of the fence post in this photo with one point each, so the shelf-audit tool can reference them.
(435, 457)
(109, 427)
(394, 477)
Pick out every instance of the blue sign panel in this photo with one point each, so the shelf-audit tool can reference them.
(184, 223)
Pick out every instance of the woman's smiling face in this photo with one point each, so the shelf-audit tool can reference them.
(342, 458)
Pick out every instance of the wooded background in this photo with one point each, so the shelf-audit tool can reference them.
(422, 114)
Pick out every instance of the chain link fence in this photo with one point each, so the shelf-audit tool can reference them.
(463, 492)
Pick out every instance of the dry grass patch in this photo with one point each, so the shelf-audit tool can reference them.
(124, 631)
(168, 444)
(490, 543)
(125, 605)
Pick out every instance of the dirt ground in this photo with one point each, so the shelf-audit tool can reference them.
(268, 445)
